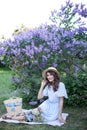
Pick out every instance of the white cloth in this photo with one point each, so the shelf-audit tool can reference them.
(53, 123)
(50, 107)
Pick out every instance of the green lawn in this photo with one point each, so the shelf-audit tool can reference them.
(5, 82)
(77, 119)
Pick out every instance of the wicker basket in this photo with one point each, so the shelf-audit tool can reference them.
(13, 106)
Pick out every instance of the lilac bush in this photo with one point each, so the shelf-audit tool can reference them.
(73, 33)
(62, 45)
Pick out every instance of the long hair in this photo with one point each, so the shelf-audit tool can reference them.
(56, 81)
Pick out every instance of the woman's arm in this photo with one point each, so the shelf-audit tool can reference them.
(61, 109)
(40, 93)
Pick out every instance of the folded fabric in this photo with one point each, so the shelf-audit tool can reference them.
(53, 123)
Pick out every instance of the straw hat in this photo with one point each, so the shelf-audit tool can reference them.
(50, 69)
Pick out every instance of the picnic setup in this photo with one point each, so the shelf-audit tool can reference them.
(15, 114)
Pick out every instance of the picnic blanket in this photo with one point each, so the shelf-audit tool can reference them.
(53, 123)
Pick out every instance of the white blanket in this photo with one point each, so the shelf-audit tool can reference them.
(53, 123)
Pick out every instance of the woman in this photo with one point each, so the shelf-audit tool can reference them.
(55, 90)
(51, 109)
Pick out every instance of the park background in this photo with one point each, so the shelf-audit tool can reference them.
(28, 46)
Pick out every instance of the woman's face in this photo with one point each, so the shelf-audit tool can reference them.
(50, 77)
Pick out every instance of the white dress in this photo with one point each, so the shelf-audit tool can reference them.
(50, 107)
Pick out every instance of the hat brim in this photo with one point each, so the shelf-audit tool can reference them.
(50, 69)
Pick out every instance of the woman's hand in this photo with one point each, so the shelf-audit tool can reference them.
(61, 120)
(40, 93)
(43, 83)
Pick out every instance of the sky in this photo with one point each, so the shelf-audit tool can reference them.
(31, 13)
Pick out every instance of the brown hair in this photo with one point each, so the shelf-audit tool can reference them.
(55, 84)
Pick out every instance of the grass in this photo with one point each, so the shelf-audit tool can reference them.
(5, 82)
(77, 119)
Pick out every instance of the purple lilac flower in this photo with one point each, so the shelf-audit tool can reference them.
(44, 58)
(55, 64)
(13, 79)
(35, 62)
(33, 102)
(26, 63)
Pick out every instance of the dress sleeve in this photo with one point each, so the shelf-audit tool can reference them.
(61, 91)
(45, 91)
